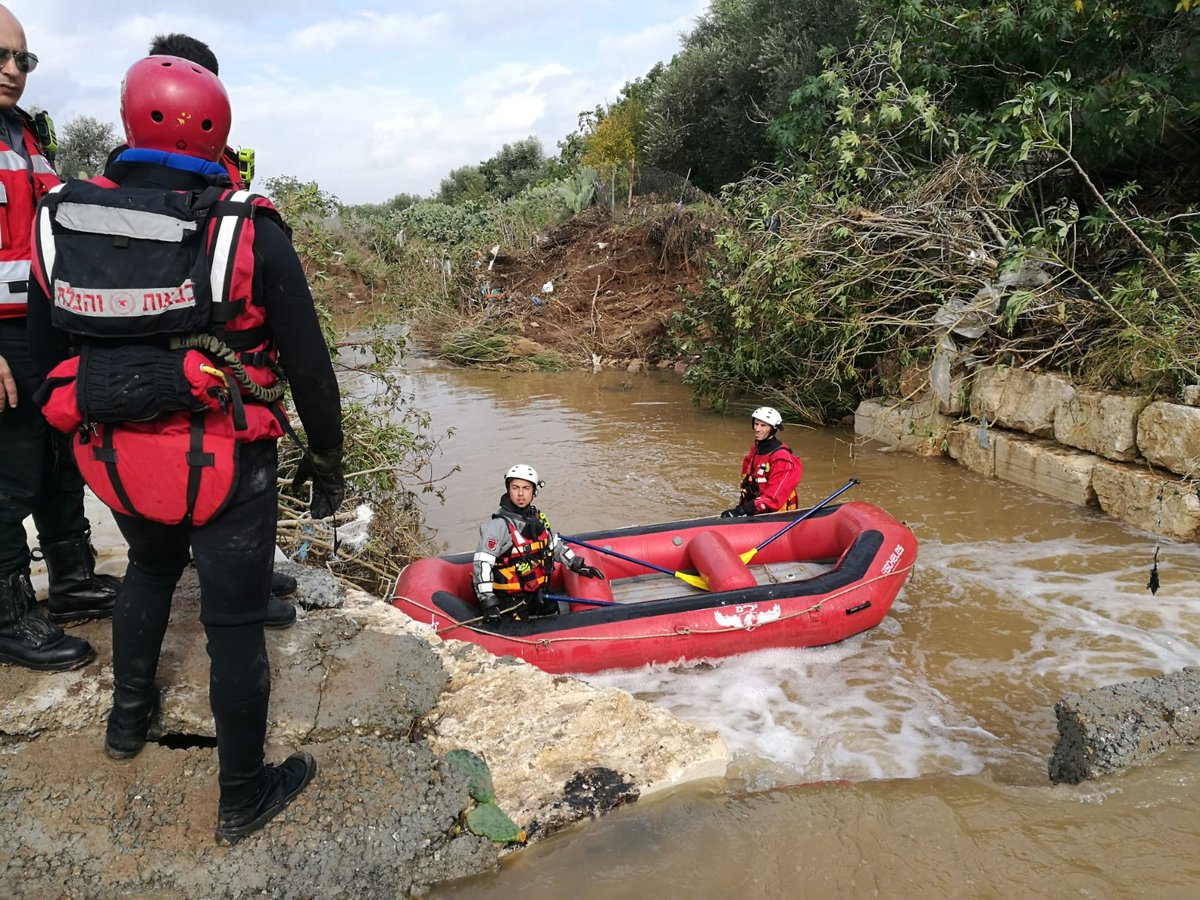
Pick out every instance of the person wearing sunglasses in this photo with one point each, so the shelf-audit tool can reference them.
(37, 476)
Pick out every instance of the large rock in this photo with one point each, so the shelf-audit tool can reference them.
(1045, 467)
(973, 447)
(1108, 728)
(1102, 423)
(1168, 435)
(1019, 399)
(565, 732)
(915, 427)
(1166, 506)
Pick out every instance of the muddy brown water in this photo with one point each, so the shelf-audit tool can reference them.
(906, 762)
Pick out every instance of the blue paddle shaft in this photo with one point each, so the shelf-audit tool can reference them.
(567, 599)
(792, 524)
(628, 559)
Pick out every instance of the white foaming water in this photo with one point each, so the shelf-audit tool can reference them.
(1093, 616)
(868, 709)
(821, 714)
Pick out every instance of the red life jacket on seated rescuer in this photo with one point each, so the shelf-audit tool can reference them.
(175, 365)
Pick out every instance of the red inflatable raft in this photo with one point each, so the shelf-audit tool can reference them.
(831, 576)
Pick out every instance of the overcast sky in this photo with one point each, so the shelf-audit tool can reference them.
(367, 99)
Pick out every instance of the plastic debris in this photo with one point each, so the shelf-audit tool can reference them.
(354, 533)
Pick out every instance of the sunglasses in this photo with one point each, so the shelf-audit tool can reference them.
(26, 61)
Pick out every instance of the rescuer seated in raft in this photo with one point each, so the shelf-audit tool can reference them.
(770, 471)
(517, 551)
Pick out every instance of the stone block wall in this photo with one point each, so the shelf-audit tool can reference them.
(1136, 458)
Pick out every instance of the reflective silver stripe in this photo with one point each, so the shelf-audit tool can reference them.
(13, 270)
(45, 237)
(223, 249)
(124, 222)
(486, 561)
(15, 162)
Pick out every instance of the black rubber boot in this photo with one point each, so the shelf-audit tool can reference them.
(283, 585)
(133, 709)
(76, 591)
(280, 786)
(280, 613)
(538, 607)
(28, 639)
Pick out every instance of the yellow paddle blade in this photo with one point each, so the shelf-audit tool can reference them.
(698, 581)
(749, 554)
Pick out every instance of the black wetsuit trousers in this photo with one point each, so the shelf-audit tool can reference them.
(233, 554)
(38, 476)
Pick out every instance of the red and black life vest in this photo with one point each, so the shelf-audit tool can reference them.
(128, 269)
(22, 183)
(756, 477)
(527, 565)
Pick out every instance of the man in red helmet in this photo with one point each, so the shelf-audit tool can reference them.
(36, 477)
(188, 303)
(280, 612)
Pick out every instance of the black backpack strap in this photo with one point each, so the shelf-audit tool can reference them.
(107, 454)
(197, 461)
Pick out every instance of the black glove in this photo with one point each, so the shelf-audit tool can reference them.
(745, 509)
(579, 567)
(329, 482)
(489, 605)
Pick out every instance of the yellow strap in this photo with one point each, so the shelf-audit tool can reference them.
(209, 370)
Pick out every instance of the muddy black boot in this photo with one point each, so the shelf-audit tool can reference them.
(280, 613)
(283, 585)
(133, 709)
(280, 786)
(28, 639)
(76, 591)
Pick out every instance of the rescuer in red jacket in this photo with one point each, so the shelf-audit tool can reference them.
(770, 471)
(37, 477)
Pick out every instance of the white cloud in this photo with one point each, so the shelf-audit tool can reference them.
(361, 32)
(373, 102)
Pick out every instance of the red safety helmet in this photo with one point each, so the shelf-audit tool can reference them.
(175, 105)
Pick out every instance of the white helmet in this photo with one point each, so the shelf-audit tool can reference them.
(768, 414)
(525, 473)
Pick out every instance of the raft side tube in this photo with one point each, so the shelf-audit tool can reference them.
(722, 567)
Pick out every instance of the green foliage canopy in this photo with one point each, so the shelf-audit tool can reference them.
(707, 112)
(1117, 82)
(83, 146)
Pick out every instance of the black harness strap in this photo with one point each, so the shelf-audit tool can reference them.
(235, 401)
(197, 459)
(107, 454)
